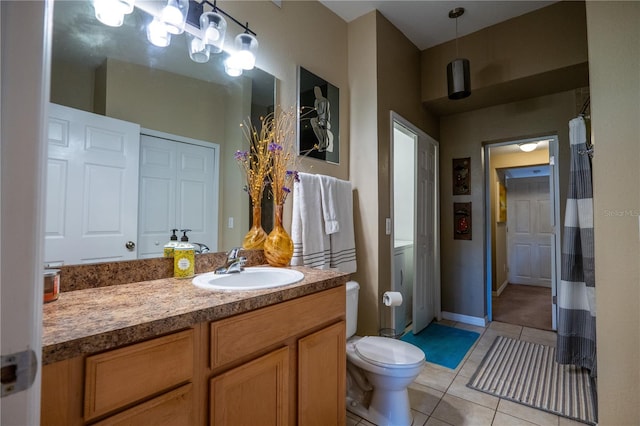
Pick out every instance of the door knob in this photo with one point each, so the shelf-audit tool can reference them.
(130, 245)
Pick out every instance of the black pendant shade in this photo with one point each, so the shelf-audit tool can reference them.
(458, 80)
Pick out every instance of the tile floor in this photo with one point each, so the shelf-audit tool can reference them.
(439, 396)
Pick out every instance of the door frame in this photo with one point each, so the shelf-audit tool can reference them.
(422, 136)
(555, 199)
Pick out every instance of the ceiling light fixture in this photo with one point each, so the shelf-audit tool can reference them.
(214, 28)
(458, 74)
(528, 146)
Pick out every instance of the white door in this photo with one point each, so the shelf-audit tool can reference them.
(92, 188)
(529, 231)
(178, 190)
(426, 286)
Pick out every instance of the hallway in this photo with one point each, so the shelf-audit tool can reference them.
(525, 305)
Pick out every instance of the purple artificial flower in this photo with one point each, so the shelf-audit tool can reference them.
(241, 155)
(285, 189)
(275, 147)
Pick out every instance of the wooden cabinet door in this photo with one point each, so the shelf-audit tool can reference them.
(255, 393)
(169, 409)
(322, 373)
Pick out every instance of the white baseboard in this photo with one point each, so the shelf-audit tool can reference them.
(500, 289)
(467, 319)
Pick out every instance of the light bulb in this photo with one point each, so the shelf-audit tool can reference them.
(246, 45)
(157, 33)
(214, 27)
(111, 12)
(231, 67)
(174, 15)
(211, 34)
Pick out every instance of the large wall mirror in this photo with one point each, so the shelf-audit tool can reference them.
(188, 118)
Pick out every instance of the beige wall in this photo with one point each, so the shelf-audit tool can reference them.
(462, 135)
(515, 59)
(614, 52)
(300, 33)
(184, 106)
(364, 165)
(499, 230)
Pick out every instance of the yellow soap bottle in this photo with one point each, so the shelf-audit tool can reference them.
(184, 257)
(171, 245)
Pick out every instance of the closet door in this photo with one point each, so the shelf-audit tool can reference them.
(178, 189)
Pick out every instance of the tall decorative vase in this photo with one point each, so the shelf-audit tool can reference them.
(256, 236)
(278, 248)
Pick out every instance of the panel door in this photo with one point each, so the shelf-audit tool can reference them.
(321, 377)
(529, 231)
(426, 281)
(256, 393)
(177, 191)
(92, 188)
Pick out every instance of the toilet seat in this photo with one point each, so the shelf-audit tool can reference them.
(389, 353)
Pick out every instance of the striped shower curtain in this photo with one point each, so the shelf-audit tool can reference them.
(576, 292)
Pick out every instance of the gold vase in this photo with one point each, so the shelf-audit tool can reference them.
(278, 248)
(256, 236)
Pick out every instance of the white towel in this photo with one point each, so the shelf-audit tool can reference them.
(343, 243)
(328, 193)
(310, 243)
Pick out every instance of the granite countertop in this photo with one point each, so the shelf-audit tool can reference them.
(90, 320)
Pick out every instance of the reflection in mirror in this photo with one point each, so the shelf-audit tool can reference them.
(186, 127)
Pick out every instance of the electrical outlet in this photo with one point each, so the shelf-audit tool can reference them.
(230, 223)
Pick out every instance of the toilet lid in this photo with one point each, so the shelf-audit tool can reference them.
(384, 351)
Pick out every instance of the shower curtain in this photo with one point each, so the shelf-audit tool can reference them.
(576, 291)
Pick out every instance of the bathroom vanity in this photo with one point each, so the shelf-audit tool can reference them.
(164, 352)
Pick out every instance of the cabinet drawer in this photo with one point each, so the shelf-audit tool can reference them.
(169, 409)
(236, 337)
(123, 376)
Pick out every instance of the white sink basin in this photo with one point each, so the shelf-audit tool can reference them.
(252, 278)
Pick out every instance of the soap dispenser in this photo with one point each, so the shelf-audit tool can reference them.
(171, 245)
(184, 257)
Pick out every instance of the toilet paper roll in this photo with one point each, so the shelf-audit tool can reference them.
(392, 298)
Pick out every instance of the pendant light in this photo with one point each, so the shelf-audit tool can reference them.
(246, 46)
(458, 70)
(157, 33)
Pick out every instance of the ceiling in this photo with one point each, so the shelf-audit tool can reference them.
(426, 23)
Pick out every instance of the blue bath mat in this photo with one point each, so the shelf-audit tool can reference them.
(443, 345)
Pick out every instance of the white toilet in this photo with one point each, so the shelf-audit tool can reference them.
(379, 369)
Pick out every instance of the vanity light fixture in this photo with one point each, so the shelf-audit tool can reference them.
(528, 146)
(458, 70)
(111, 12)
(205, 34)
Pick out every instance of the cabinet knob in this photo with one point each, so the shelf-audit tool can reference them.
(130, 245)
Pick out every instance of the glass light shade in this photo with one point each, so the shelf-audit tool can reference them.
(458, 79)
(528, 147)
(157, 33)
(231, 67)
(246, 47)
(213, 27)
(111, 12)
(198, 50)
(174, 15)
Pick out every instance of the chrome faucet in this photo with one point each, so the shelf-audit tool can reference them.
(234, 263)
(200, 248)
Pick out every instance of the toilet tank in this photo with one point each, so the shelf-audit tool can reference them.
(352, 307)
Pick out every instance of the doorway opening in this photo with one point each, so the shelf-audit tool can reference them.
(522, 227)
(414, 226)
